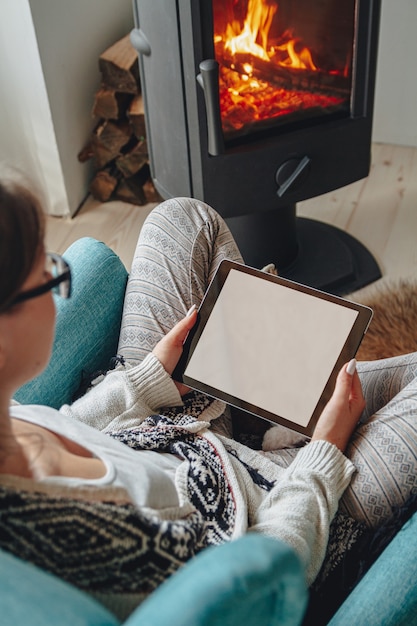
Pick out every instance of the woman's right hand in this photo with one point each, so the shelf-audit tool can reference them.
(169, 349)
(341, 414)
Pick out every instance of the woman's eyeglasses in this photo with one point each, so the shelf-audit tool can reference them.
(59, 284)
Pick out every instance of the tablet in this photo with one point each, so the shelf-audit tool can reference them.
(270, 346)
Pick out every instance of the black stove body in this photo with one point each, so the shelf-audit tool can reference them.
(255, 105)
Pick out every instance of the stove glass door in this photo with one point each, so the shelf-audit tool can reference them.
(283, 63)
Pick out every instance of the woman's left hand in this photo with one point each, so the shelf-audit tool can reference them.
(341, 414)
(169, 349)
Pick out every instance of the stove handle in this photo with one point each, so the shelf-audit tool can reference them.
(291, 173)
(139, 42)
(208, 79)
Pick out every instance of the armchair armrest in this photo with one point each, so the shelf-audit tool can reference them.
(87, 327)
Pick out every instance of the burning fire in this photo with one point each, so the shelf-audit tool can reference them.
(256, 28)
(252, 85)
(299, 61)
(257, 24)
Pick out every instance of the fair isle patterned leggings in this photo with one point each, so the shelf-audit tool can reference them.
(180, 246)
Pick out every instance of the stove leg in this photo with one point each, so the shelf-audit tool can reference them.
(304, 250)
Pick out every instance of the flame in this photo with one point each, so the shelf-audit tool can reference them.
(300, 61)
(253, 38)
(255, 28)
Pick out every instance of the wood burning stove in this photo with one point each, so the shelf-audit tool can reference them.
(255, 105)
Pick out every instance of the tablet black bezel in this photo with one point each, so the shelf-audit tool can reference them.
(348, 351)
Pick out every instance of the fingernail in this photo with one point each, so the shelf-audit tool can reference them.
(191, 310)
(351, 367)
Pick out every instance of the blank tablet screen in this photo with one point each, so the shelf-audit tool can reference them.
(269, 348)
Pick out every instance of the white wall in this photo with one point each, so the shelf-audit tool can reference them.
(49, 73)
(395, 113)
(27, 140)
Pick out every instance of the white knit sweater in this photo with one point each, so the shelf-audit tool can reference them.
(304, 499)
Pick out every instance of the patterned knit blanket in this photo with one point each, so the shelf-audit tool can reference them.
(112, 547)
(207, 487)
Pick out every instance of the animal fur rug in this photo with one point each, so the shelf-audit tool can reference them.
(393, 329)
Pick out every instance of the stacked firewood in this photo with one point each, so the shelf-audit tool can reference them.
(117, 145)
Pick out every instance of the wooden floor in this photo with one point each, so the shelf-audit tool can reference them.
(116, 223)
(380, 211)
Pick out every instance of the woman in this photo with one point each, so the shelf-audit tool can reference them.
(186, 487)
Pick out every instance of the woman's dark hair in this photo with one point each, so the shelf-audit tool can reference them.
(22, 229)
